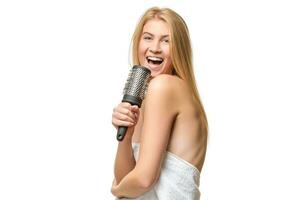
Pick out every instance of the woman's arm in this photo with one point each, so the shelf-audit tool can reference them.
(124, 161)
(123, 115)
(131, 186)
(160, 111)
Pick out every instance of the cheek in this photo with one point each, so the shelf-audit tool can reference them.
(166, 50)
(141, 52)
(168, 56)
(142, 48)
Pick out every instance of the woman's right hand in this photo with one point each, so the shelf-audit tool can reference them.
(125, 115)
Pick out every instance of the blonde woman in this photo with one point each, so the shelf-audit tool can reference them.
(163, 152)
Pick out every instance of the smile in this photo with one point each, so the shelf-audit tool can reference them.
(154, 60)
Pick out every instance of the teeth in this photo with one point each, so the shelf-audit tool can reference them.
(154, 58)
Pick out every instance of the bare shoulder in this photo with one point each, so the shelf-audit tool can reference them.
(163, 92)
(165, 83)
(167, 91)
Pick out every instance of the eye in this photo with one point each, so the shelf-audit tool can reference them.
(147, 38)
(166, 40)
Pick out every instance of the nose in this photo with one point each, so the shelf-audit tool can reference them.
(155, 47)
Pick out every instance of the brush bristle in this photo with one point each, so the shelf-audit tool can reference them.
(137, 82)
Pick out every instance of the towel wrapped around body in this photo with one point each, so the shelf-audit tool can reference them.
(179, 180)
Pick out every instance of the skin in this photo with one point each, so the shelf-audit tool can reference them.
(167, 121)
(155, 42)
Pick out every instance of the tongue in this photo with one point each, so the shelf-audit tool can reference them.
(155, 62)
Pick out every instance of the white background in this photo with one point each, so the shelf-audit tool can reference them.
(63, 65)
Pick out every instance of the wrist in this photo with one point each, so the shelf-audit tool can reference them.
(129, 133)
(127, 138)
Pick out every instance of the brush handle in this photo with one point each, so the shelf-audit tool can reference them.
(121, 133)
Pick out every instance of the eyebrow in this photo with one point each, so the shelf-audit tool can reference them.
(153, 35)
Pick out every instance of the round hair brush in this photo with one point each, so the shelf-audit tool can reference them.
(134, 91)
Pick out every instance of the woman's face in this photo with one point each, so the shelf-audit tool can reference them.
(154, 47)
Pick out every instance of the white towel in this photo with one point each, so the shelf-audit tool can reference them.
(179, 180)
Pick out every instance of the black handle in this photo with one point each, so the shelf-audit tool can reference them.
(121, 133)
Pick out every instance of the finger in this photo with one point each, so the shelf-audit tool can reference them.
(122, 117)
(135, 107)
(126, 117)
(127, 112)
(125, 105)
(122, 123)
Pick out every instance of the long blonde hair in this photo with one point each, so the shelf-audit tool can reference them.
(181, 50)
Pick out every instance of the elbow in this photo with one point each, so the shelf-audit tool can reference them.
(146, 182)
(112, 191)
(146, 178)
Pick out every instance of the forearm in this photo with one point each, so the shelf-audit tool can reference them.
(129, 187)
(124, 161)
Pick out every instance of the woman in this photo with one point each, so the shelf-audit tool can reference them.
(162, 154)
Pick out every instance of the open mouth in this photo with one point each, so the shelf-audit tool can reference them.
(154, 60)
